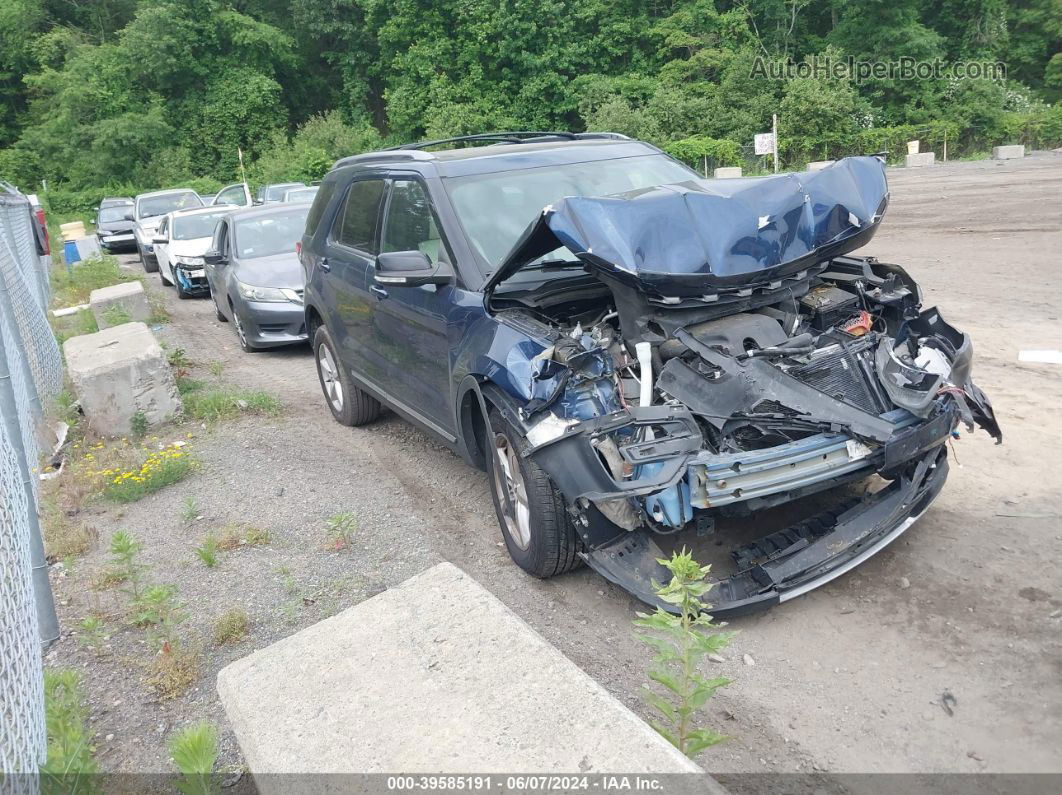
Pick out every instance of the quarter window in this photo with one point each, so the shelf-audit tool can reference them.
(356, 225)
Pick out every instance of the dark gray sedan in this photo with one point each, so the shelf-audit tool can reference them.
(254, 274)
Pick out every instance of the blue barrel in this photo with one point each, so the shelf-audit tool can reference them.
(70, 253)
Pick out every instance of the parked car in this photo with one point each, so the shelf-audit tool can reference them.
(114, 201)
(300, 194)
(40, 225)
(268, 194)
(181, 240)
(114, 229)
(238, 195)
(255, 277)
(148, 211)
(639, 357)
(207, 198)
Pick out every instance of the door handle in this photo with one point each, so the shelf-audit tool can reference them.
(378, 291)
(324, 264)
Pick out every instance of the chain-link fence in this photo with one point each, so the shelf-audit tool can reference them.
(30, 375)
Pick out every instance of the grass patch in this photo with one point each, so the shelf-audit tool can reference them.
(69, 738)
(174, 670)
(64, 538)
(160, 469)
(231, 627)
(208, 551)
(74, 286)
(208, 403)
(81, 322)
(117, 315)
(257, 536)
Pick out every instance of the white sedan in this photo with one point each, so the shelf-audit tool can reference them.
(181, 240)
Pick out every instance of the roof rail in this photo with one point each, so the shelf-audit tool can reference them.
(415, 151)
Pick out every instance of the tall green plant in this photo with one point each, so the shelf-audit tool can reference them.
(125, 563)
(680, 641)
(70, 767)
(195, 751)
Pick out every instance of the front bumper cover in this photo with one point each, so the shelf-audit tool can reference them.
(821, 548)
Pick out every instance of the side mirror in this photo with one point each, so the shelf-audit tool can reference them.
(409, 269)
(213, 257)
(160, 239)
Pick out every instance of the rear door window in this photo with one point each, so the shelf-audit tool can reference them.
(320, 203)
(355, 226)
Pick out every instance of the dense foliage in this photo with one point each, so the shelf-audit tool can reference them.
(125, 94)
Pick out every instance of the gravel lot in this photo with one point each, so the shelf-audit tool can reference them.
(846, 679)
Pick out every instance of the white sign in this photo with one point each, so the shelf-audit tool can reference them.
(764, 143)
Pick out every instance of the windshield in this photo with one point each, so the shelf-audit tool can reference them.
(495, 209)
(267, 235)
(192, 226)
(109, 215)
(275, 193)
(301, 195)
(152, 206)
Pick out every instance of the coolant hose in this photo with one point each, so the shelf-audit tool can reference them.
(645, 372)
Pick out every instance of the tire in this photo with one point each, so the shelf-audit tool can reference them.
(544, 542)
(149, 262)
(240, 334)
(217, 309)
(348, 404)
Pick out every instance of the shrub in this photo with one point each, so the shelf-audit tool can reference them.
(680, 642)
(693, 151)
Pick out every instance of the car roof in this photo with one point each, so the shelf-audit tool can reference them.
(213, 208)
(505, 156)
(116, 199)
(164, 192)
(262, 211)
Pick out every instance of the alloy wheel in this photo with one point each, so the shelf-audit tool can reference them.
(512, 491)
(333, 387)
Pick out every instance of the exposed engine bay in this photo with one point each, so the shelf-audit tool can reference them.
(658, 414)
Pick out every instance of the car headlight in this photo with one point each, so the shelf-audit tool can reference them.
(268, 294)
(194, 261)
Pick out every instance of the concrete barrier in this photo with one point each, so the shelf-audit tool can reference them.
(1011, 152)
(728, 172)
(920, 159)
(432, 676)
(819, 165)
(119, 303)
(119, 372)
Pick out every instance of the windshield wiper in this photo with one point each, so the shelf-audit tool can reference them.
(554, 265)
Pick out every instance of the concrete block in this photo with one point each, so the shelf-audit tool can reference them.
(432, 676)
(728, 172)
(819, 165)
(1011, 152)
(920, 159)
(126, 299)
(118, 372)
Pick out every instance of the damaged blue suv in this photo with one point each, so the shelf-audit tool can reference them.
(641, 358)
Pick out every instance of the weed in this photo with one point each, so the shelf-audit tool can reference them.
(159, 313)
(138, 425)
(230, 538)
(340, 529)
(174, 669)
(81, 322)
(680, 641)
(66, 407)
(160, 469)
(231, 627)
(116, 315)
(216, 368)
(210, 403)
(256, 536)
(160, 613)
(106, 579)
(92, 633)
(69, 739)
(194, 751)
(189, 509)
(179, 360)
(208, 551)
(74, 286)
(125, 565)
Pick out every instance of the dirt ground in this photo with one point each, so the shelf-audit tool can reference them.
(846, 679)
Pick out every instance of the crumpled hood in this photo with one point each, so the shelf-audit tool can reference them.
(715, 233)
(279, 270)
